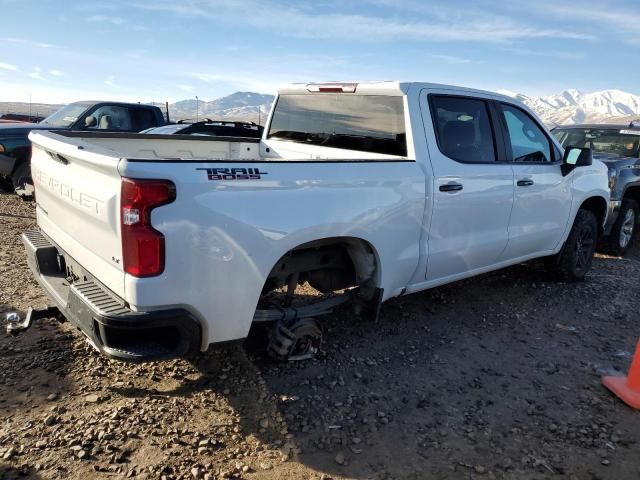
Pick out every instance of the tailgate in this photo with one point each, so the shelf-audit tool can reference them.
(78, 197)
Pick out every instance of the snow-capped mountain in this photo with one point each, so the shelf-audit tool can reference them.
(568, 107)
(248, 106)
(572, 106)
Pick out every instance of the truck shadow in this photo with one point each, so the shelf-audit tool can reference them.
(428, 391)
(10, 473)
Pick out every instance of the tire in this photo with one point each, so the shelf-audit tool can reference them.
(624, 228)
(21, 175)
(573, 262)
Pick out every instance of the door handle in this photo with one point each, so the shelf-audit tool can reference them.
(451, 187)
(525, 183)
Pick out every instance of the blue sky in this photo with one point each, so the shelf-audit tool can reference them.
(59, 51)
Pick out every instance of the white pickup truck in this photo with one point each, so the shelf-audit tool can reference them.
(159, 246)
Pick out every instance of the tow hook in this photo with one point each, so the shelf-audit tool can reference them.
(16, 324)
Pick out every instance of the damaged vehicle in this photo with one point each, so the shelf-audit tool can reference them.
(158, 247)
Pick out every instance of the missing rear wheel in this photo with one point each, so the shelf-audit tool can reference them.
(299, 341)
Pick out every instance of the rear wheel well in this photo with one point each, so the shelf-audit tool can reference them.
(328, 265)
(598, 206)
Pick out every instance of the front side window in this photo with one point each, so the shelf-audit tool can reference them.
(463, 129)
(368, 123)
(528, 141)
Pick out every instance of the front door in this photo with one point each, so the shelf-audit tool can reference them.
(542, 195)
(473, 191)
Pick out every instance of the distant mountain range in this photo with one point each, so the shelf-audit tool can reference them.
(569, 107)
(572, 106)
(247, 106)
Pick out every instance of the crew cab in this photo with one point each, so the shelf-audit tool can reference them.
(618, 146)
(15, 149)
(359, 192)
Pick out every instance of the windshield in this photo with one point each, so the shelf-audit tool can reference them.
(605, 140)
(66, 116)
(369, 123)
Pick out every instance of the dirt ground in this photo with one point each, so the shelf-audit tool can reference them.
(493, 377)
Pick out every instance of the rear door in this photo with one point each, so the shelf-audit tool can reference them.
(542, 195)
(473, 187)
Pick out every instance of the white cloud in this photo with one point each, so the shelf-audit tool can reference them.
(106, 19)
(56, 73)
(597, 15)
(239, 81)
(560, 52)
(185, 88)
(35, 73)
(138, 54)
(451, 58)
(207, 77)
(27, 42)
(44, 92)
(8, 66)
(441, 24)
(110, 82)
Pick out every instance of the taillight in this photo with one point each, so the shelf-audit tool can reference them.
(142, 245)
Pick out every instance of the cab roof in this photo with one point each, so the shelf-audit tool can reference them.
(380, 88)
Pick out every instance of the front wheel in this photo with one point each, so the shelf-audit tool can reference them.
(573, 262)
(624, 228)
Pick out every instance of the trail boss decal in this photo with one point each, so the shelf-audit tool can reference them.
(233, 173)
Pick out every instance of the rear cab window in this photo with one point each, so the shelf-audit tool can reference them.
(366, 123)
(142, 118)
(463, 128)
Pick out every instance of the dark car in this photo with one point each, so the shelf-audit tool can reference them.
(210, 128)
(17, 117)
(618, 146)
(15, 148)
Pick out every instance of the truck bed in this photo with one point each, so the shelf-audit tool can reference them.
(163, 147)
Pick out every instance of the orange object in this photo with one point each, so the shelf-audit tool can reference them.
(627, 388)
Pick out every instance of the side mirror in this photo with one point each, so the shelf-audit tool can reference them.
(576, 157)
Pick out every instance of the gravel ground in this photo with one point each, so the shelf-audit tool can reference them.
(493, 377)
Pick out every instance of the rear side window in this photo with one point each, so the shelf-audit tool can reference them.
(463, 129)
(142, 118)
(368, 123)
(529, 143)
